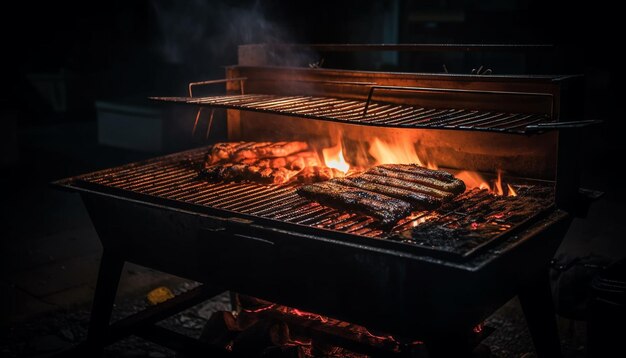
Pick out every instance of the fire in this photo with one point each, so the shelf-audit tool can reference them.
(333, 158)
(403, 151)
(474, 180)
(512, 192)
(400, 152)
(497, 186)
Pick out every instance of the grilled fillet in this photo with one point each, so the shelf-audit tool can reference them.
(436, 179)
(408, 185)
(384, 208)
(417, 199)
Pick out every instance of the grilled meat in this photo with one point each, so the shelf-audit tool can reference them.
(268, 150)
(312, 174)
(239, 172)
(436, 179)
(222, 151)
(240, 151)
(387, 188)
(408, 185)
(386, 209)
(418, 200)
(264, 162)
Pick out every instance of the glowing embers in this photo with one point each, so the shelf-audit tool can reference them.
(473, 218)
(307, 334)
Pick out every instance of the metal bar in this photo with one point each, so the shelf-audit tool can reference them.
(128, 325)
(453, 90)
(210, 82)
(384, 114)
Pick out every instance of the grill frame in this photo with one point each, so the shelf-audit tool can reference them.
(407, 294)
(209, 249)
(173, 181)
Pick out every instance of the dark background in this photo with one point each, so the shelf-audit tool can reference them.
(60, 59)
(126, 51)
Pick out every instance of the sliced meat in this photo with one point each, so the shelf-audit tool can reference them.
(436, 179)
(384, 208)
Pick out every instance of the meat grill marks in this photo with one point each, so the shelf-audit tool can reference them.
(436, 194)
(404, 183)
(238, 151)
(436, 179)
(332, 193)
(417, 199)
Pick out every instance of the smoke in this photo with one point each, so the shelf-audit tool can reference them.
(201, 33)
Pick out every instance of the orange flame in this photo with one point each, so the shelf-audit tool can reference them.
(512, 192)
(399, 152)
(497, 187)
(333, 158)
(474, 180)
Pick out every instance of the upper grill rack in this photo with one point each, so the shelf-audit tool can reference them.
(375, 113)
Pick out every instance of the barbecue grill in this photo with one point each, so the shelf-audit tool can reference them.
(431, 277)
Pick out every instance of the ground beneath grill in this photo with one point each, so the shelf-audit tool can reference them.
(58, 331)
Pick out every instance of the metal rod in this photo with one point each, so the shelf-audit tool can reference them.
(195, 123)
(208, 129)
(453, 90)
(210, 82)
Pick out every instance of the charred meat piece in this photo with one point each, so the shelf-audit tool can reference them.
(312, 174)
(240, 151)
(384, 208)
(302, 160)
(269, 150)
(239, 172)
(408, 185)
(223, 151)
(418, 200)
(436, 179)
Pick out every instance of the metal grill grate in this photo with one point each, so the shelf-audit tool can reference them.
(373, 113)
(462, 226)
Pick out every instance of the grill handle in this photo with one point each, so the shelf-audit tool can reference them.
(210, 82)
(562, 125)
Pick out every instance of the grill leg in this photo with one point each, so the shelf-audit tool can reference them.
(536, 301)
(106, 288)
